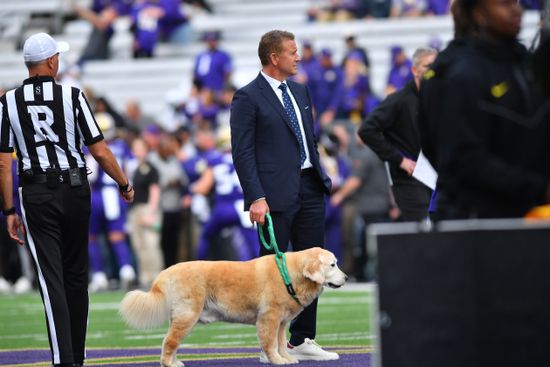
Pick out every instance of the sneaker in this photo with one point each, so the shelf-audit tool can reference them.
(5, 286)
(22, 285)
(263, 357)
(309, 350)
(127, 276)
(99, 282)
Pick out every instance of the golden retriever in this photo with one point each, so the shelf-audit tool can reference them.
(250, 292)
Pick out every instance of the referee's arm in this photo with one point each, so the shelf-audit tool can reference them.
(15, 227)
(103, 155)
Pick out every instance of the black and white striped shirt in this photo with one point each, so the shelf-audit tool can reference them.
(46, 123)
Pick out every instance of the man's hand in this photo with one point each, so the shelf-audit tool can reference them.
(258, 210)
(16, 228)
(407, 165)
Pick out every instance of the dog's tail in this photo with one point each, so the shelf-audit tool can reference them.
(144, 310)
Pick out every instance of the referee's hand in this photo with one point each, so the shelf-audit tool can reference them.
(128, 195)
(16, 229)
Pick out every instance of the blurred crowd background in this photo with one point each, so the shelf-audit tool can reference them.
(160, 76)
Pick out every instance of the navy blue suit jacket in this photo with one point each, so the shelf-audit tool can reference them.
(266, 153)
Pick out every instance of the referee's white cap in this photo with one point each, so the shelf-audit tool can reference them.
(40, 46)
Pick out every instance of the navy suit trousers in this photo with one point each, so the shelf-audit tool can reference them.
(302, 225)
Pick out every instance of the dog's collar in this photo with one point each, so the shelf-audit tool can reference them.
(292, 292)
(280, 259)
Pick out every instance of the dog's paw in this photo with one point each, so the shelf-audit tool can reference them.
(290, 360)
(173, 363)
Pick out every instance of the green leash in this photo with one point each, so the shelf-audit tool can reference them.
(280, 257)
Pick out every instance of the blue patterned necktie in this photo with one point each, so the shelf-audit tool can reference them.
(289, 108)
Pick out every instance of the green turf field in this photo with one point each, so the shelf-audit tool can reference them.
(344, 319)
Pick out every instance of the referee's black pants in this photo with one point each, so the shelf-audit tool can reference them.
(56, 221)
(303, 225)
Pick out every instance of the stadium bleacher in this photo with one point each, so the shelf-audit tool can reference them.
(167, 77)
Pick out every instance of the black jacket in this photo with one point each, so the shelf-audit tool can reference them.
(391, 130)
(491, 147)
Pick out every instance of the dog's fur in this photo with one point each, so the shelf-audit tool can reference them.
(250, 292)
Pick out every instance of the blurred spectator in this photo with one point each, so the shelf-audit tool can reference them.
(187, 149)
(353, 47)
(144, 217)
(205, 143)
(151, 135)
(392, 131)
(368, 190)
(220, 180)
(531, 4)
(101, 15)
(102, 105)
(334, 10)
(324, 87)
(407, 8)
(213, 67)
(157, 20)
(172, 180)
(308, 64)
(352, 91)
(108, 214)
(145, 17)
(336, 164)
(174, 26)
(435, 43)
(374, 9)
(202, 4)
(208, 108)
(225, 106)
(400, 71)
(134, 119)
(437, 7)
(68, 74)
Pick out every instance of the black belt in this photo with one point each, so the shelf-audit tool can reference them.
(31, 177)
(307, 171)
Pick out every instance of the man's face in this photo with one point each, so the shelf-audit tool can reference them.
(287, 60)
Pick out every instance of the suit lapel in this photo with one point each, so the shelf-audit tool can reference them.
(271, 97)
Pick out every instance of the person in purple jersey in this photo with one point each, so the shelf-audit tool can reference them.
(108, 214)
(337, 167)
(324, 85)
(353, 88)
(438, 7)
(308, 64)
(174, 25)
(145, 17)
(205, 141)
(221, 179)
(101, 15)
(213, 67)
(400, 71)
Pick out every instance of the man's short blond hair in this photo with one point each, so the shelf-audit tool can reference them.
(272, 42)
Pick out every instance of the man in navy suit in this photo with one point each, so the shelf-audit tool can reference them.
(277, 161)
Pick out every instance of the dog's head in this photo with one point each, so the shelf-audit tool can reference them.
(320, 267)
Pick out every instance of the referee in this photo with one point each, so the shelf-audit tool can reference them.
(47, 123)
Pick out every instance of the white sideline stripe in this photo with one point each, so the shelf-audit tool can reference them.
(42, 281)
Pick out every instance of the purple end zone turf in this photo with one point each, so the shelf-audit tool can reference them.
(43, 356)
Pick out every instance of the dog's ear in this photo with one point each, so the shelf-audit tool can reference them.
(313, 270)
